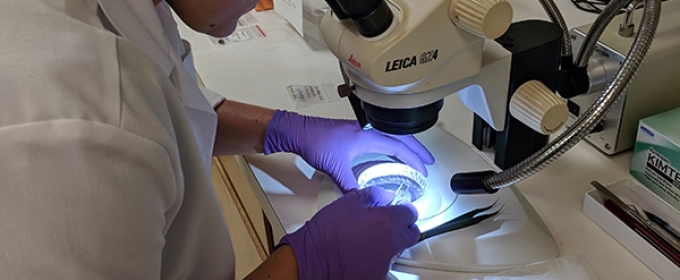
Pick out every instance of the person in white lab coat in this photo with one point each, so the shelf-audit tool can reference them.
(105, 147)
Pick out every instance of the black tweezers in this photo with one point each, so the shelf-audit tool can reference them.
(465, 220)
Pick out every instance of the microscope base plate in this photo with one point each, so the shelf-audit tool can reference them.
(515, 236)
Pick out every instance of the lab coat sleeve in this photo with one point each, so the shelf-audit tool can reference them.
(213, 97)
(83, 200)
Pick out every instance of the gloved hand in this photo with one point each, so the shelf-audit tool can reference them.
(355, 237)
(330, 145)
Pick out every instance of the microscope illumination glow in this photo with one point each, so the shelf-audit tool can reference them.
(407, 184)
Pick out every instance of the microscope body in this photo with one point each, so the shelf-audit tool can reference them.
(432, 49)
(422, 50)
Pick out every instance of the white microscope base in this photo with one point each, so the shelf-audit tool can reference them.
(515, 236)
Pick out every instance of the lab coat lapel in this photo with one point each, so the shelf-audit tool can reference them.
(136, 20)
(153, 30)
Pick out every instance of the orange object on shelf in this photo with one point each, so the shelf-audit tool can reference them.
(264, 5)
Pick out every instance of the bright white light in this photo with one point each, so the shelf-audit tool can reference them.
(402, 180)
(406, 183)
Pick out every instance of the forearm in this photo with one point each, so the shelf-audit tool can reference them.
(280, 265)
(240, 128)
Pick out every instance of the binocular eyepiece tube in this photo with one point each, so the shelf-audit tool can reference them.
(371, 17)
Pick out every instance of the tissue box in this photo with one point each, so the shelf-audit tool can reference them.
(633, 191)
(656, 159)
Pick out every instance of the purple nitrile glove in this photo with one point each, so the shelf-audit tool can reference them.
(356, 237)
(329, 145)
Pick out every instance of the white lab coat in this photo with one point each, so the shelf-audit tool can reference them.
(104, 145)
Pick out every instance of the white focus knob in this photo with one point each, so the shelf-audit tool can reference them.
(538, 107)
(490, 18)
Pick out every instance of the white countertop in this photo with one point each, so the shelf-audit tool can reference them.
(257, 71)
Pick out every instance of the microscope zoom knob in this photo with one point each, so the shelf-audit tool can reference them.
(538, 107)
(490, 18)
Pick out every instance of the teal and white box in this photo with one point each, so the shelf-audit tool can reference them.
(656, 159)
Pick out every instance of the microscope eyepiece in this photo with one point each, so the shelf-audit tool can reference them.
(371, 17)
(333, 4)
